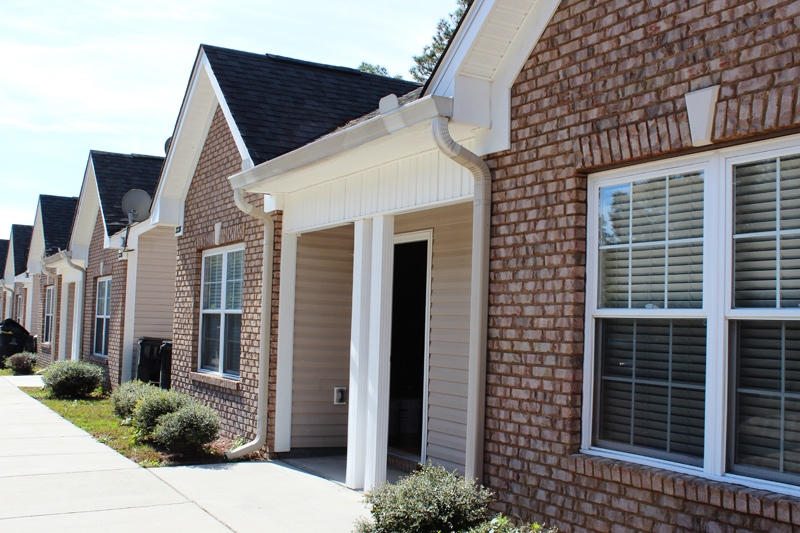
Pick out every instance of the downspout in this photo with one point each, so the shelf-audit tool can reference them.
(79, 294)
(266, 323)
(479, 291)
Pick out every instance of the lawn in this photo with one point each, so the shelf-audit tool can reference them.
(6, 372)
(95, 415)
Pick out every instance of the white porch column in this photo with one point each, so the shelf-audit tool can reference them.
(380, 344)
(63, 319)
(77, 319)
(128, 351)
(283, 376)
(359, 355)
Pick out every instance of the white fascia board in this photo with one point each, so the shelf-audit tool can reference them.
(381, 126)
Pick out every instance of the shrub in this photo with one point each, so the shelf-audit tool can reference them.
(502, 524)
(152, 406)
(72, 379)
(188, 428)
(430, 500)
(21, 364)
(125, 397)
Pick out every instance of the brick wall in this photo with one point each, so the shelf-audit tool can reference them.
(603, 87)
(47, 353)
(210, 201)
(104, 262)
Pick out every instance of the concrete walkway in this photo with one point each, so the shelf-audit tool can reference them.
(56, 477)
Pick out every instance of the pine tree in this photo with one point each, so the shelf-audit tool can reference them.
(426, 62)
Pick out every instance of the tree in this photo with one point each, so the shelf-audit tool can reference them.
(426, 62)
(376, 69)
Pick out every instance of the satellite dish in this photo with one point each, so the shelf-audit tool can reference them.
(136, 205)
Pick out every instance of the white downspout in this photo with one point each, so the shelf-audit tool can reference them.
(479, 291)
(77, 330)
(266, 325)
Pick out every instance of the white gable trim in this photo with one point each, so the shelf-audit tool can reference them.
(485, 59)
(194, 121)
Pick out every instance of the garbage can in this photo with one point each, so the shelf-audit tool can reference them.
(166, 365)
(13, 338)
(148, 367)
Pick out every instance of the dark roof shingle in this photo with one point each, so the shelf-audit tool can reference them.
(21, 240)
(117, 174)
(58, 213)
(280, 104)
(3, 255)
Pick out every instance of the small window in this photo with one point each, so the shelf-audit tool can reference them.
(19, 311)
(48, 315)
(102, 318)
(221, 317)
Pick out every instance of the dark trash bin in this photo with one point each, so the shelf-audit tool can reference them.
(154, 362)
(13, 338)
(166, 365)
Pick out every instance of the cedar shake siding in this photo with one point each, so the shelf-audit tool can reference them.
(210, 202)
(605, 87)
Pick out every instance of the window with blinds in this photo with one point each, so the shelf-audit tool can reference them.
(651, 387)
(651, 243)
(766, 235)
(221, 311)
(765, 441)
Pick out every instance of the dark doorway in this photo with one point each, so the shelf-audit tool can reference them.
(409, 309)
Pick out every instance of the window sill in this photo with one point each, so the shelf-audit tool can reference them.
(216, 380)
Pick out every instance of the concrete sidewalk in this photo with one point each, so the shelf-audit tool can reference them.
(54, 476)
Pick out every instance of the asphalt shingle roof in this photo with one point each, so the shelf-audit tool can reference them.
(117, 174)
(58, 213)
(3, 254)
(280, 104)
(21, 238)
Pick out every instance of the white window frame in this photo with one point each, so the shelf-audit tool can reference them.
(19, 318)
(717, 308)
(47, 326)
(106, 317)
(224, 251)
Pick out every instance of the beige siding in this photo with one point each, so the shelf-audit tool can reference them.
(322, 337)
(449, 333)
(155, 284)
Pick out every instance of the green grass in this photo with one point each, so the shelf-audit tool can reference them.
(6, 372)
(96, 416)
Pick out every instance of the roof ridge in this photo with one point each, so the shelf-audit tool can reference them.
(104, 152)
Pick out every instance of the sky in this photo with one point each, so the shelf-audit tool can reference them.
(110, 75)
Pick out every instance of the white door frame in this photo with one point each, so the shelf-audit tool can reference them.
(423, 236)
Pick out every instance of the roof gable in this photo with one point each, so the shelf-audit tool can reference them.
(57, 214)
(116, 174)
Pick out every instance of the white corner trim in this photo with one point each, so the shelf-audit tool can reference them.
(700, 106)
(284, 373)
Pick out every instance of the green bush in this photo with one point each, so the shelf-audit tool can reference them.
(502, 524)
(125, 397)
(188, 428)
(72, 379)
(430, 500)
(152, 406)
(21, 364)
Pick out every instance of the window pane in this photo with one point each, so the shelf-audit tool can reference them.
(766, 435)
(790, 271)
(212, 286)
(101, 298)
(754, 276)
(685, 276)
(685, 202)
(651, 387)
(235, 275)
(755, 195)
(790, 192)
(108, 297)
(647, 277)
(209, 358)
(233, 335)
(649, 210)
(614, 278)
(101, 336)
(615, 214)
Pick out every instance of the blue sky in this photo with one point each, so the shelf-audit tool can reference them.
(110, 75)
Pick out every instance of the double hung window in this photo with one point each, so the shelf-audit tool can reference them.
(102, 316)
(221, 316)
(693, 313)
(48, 315)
